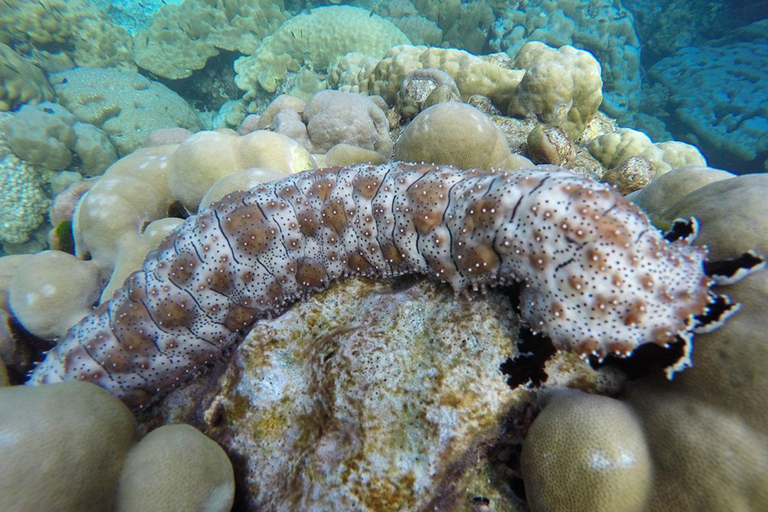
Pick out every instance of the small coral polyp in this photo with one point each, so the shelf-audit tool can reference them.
(596, 277)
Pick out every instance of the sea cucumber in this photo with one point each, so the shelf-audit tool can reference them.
(594, 275)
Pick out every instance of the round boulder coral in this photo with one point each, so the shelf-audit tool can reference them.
(456, 134)
(334, 117)
(175, 467)
(63, 447)
(586, 453)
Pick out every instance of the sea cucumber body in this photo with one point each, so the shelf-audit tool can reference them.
(595, 276)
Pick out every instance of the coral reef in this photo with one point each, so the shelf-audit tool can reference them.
(718, 92)
(23, 202)
(315, 39)
(175, 467)
(63, 447)
(51, 291)
(612, 149)
(602, 27)
(457, 134)
(74, 28)
(560, 87)
(181, 38)
(334, 117)
(125, 105)
(48, 135)
(472, 74)
(21, 82)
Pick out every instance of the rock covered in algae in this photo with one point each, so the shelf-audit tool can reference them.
(372, 395)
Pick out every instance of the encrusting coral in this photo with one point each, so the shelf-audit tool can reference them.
(125, 105)
(75, 28)
(458, 134)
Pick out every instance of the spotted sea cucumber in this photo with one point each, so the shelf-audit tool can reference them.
(594, 275)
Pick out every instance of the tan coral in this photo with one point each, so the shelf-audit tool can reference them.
(58, 439)
(21, 82)
(473, 74)
(82, 29)
(560, 87)
(615, 147)
(176, 467)
(51, 291)
(315, 39)
(214, 155)
(456, 134)
(182, 37)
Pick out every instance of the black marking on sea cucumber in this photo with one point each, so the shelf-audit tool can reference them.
(224, 235)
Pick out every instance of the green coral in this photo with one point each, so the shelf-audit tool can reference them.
(76, 28)
(183, 37)
(125, 105)
(315, 40)
(20, 81)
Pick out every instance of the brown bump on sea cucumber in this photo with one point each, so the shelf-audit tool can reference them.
(183, 268)
(539, 260)
(73, 365)
(311, 274)
(358, 263)
(366, 186)
(647, 282)
(333, 215)
(239, 318)
(135, 287)
(172, 313)
(309, 224)
(635, 313)
(576, 283)
(479, 260)
(219, 281)
(256, 239)
(557, 310)
(482, 215)
(601, 305)
(169, 343)
(612, 231)
(391, 254)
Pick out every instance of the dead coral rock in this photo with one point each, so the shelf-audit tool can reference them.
(422, 88)
(634, 173)
(368, 396)
(550, 145)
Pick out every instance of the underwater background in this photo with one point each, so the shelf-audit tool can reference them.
(120, 121)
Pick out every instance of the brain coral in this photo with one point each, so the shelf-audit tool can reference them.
(183, 37)
(124, 104)
(602, 27)
(314, 39)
